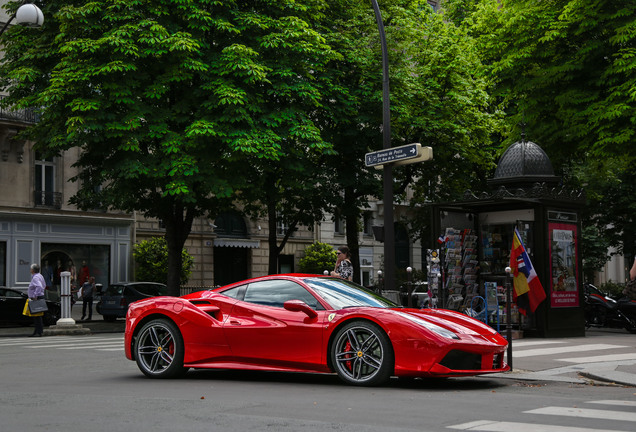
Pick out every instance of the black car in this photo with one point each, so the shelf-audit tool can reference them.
(12, 304)
(115, 300)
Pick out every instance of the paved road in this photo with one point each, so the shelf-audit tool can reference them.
(86, 383)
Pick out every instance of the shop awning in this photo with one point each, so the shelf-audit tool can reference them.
(239, 243)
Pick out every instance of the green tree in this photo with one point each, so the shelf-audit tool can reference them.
(168, 100)
(318, 258)
(565, 69)
(438, 98)
(151, 257)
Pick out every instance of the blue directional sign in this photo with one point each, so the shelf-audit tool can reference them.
(399, 155)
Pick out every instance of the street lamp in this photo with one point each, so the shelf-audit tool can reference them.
(28, 15)
(389, 233)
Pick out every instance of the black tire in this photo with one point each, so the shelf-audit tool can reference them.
(362, 354)
(159, 349)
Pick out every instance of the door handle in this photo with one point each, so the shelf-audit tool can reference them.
(235, 322)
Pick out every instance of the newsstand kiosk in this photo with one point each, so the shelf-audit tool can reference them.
(475, 236)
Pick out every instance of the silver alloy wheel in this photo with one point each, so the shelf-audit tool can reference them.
(359, 354)
(155, 348)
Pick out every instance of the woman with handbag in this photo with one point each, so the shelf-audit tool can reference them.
(36, 292)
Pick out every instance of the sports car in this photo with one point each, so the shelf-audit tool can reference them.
(307, 323)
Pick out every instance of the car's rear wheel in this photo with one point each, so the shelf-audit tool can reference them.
(362, 354)
(159, 349)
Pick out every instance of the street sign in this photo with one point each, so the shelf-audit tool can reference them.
(402, 155)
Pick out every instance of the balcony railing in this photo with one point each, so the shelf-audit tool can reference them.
(25, 115)
(48, 199)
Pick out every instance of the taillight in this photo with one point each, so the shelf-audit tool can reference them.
(123, 302)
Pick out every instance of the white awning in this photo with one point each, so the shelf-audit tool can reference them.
(240, 243)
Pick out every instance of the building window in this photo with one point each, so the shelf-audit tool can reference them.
(282, 226)
(3, 263)
(367, 223)
(45, 194)
(339, 223)
(230, 224)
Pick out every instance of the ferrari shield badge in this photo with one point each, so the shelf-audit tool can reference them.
(331, 317)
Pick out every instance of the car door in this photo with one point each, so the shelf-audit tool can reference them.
(260, 330)
(12, 305)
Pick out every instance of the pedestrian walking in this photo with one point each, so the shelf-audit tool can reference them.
(36, 292)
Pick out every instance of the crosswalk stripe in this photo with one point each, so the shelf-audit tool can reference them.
(101, 346)
(492, 426)
(497, 426)
(565, 349)
(525, 343)
(614, 402)
(121, 348)
(586, 413)
(83, 345)
(55, 339)
(603, 358)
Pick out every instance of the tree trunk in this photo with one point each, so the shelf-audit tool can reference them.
(178, 227)
(271, 239)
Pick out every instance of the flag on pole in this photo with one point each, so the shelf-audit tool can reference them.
(528, 292)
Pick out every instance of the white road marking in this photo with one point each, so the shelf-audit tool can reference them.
(599, 359)
(586, 413)
(565, 349)
(492, 426)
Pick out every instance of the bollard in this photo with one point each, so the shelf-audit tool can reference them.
(65, 300)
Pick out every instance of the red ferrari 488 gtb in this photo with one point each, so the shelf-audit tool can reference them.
(307, 323)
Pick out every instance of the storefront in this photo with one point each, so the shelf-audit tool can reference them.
(475, 237)
(86, 246)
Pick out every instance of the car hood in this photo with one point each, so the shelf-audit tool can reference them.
(454, 321)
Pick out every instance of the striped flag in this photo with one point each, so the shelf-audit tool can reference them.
(528, 292)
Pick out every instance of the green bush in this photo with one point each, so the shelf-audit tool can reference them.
(151, 257)
(612, 288)
(318, 258)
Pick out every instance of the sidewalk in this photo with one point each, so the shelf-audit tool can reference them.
(609, 372)
(96, 325)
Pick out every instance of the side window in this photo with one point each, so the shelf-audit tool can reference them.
(233, 292)
(276, 292)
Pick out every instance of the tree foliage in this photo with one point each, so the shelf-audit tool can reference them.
(151, 258)
(169, 99)
(566, 69)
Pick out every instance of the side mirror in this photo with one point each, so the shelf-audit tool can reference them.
(299, 306)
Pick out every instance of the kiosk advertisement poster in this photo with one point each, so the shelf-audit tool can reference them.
(563, 262)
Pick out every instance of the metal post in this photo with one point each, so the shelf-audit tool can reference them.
(389, 235)
(509, 317)
(409, 271)
(65, 299)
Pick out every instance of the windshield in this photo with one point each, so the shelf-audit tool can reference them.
(340, 294)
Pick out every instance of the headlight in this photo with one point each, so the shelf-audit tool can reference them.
(432, 327)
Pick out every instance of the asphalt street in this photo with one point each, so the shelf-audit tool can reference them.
(605, 356)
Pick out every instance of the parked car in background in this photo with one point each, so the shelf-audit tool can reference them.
(115, 299)
(12, 304)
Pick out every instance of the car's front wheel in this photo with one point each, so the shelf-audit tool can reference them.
(159, 349)
(362, 354)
